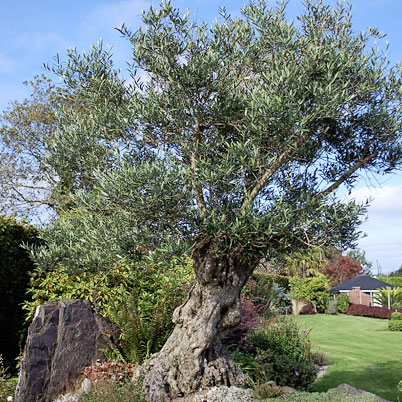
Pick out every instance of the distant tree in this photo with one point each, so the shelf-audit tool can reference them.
(360, 257)
(238, 141)
(31, 182)
(397, 273)
(27, 128)
(305, 263)
(342, 269)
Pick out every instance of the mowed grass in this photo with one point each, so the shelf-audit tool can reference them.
(360, 351)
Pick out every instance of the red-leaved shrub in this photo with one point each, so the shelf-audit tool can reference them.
(370, 311)
(342, 269)
(251, 315)
(109, 370)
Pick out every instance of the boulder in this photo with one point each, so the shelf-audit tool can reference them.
(64, 337)
(348, 389)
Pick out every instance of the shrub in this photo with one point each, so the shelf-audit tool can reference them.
(103, 291)
(369, 311)
(265, 291)
(308, 308)
(278, 351)
(7, 384)
(109, 370)
(342, 269)
(395, 297)
(141, 301)
(319, 359)
(313, 289)
(395, 325)
(113, 391)
(145, 330)
(251, 315)
(15, 266)
(343, 302)
(266, 280)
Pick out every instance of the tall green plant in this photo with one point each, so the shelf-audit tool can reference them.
(394, 295)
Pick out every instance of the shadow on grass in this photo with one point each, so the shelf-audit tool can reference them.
(381, 379)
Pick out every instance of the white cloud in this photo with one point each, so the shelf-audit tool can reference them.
(384, 225)
(385, 200)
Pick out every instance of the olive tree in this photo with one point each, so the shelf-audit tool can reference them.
(234, 145)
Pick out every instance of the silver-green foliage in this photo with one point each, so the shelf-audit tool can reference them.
(240, 133)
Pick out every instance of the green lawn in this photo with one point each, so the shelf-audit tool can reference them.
(360, 350)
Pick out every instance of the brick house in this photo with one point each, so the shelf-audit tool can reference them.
(360, 289)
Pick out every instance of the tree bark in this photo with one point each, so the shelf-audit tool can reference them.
(193, 356)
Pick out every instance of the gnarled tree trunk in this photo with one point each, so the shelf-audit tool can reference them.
(193, 356)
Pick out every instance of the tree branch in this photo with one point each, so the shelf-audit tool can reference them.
(273, 169)
(199, 196)
(347, 174)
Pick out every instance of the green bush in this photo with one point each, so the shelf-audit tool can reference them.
(392, 280)
(315, 290)
(7, 384)
(15, 266)
(278, 351)
(396, 315)
(343, 302)
(264, 291)
(395, 325)
(114, 391)
(140, 300)
(105, 292)
(145, 317)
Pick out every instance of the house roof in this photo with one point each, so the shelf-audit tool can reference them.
(363, 281)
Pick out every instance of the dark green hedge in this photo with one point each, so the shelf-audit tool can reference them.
(392, 280)
(15, 266)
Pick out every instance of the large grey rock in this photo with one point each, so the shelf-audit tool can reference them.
(348, 389)
(63, 338)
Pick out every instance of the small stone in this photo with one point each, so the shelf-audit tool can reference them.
(287, 390)
(86, 386)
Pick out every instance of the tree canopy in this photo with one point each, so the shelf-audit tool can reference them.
(255, 121)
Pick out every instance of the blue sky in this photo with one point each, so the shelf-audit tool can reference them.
(32, 32)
